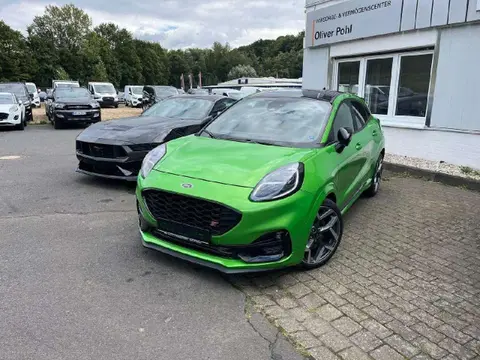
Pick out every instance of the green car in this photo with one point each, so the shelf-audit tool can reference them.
(265, 184)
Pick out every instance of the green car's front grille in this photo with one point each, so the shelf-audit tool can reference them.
(194, 213)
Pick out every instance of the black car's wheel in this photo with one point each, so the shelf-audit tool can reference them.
(325, 235)
(376, 179)
(57, 124)
(116, 106)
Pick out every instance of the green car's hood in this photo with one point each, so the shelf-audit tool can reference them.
(225, 161)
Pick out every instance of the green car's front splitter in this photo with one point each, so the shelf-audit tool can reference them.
(293, 215)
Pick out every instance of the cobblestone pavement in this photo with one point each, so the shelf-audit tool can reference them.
(404, 283)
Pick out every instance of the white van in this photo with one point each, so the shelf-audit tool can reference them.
(134, 95)
(64, 83)
(32, 89)
(104, 92)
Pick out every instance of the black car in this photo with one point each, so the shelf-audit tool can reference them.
(72, 105)
(153, 94)
(21, 91)
(115, 149)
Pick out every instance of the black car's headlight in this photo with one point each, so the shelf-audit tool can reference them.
(143, 147)
(151, 159)
(279, 184)
(59, 106)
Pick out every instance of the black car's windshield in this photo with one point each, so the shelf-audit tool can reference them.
(66, 85)
(31, 88)
(163, 91)
(104, 88)
(72, 93)
(181, 108)
(273, 120)
(17, 89)
(137, 90)
(6, 99)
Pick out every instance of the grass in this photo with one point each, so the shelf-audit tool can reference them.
(469, 171)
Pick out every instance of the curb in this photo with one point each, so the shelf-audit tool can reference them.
(452, 180)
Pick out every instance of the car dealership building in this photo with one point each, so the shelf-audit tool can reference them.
(416, 62)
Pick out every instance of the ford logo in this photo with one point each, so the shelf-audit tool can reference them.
(187, 186)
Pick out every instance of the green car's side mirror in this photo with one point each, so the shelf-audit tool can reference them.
(344, 137)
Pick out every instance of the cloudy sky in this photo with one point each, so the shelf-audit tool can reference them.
(179, 23)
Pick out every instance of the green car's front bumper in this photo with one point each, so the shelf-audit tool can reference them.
(293, 215)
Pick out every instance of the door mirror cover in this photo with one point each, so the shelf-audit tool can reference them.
(344, 135)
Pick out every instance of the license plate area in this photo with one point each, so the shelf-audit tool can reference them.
(184, 232)
(79, 113)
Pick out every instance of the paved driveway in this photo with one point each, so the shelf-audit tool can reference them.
(405, 282)
(75, 283)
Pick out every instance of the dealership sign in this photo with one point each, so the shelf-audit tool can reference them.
(351, 20)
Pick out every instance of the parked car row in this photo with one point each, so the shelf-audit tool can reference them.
(249, 185)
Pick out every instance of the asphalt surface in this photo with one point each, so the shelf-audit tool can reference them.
(75, 282)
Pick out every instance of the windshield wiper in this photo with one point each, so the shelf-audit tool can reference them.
(209, 133)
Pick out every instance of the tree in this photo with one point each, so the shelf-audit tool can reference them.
(62, 30)
(16, 61)
(242, 71)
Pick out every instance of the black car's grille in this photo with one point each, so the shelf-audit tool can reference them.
(77, 107)
(101, 150)
(108, 98)
(207, 216)
(3, 116)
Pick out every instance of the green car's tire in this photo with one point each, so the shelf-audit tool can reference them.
(376, 179)
(325, 236)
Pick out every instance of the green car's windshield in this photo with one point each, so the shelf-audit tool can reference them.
(275, 120)
(181, 108)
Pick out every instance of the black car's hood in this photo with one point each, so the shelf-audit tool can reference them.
(135, 130)
(80, 101)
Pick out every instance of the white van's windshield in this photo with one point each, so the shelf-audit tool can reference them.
(104, 88)
(137, 90)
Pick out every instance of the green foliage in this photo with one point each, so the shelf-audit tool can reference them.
(242, 71)
(61, 44)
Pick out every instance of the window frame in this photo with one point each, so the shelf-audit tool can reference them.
(390, 118)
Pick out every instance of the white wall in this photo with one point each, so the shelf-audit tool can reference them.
(456, 99)
(452, 147)
(315, 68)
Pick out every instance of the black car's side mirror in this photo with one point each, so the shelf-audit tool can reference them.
(31, 96)
(344, 136)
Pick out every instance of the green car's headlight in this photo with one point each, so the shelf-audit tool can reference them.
(151, 159)
(279, 184)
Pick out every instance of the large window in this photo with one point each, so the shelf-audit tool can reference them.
(348, 76)
(395, 86)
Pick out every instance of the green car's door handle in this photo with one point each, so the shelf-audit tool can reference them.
(358, 146)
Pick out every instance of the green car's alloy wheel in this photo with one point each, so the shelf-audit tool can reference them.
(377, 178)
(325, 235)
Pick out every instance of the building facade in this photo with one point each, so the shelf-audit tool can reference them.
(416, 63)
